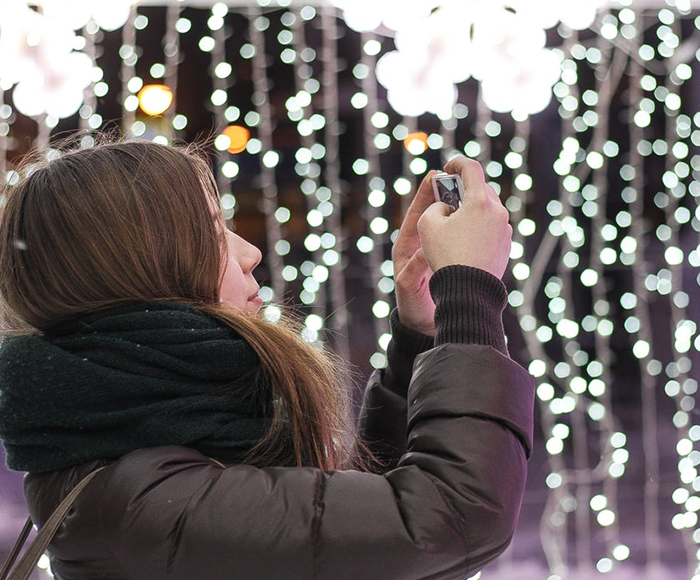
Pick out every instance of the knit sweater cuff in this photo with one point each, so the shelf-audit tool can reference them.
(469, 306)
(405, 345)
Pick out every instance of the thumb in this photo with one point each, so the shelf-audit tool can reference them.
(415, 269)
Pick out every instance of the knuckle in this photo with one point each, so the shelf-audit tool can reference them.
(482, 202)
(400, 275)
(426, 218)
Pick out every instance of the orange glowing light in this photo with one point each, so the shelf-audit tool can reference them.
(416, 143)
(155, 99)
(239, 137)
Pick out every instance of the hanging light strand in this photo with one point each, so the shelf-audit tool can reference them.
(411, 126)
(299, 107)
(131, 84)
(523, 300)
(89, 107)
(376, 241)
(677, 371)
(5, 112)
(448, 135)
(639, 323)
(323, 215)
(609, 72)
(269, 157)
(330, 101)
(592, 390)
(559, 291)
(171, 52)
(227, 168)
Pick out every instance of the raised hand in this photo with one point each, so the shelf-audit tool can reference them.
(411, 271)
(477, 234)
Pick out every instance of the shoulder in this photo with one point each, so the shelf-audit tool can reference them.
(167, 457)
(132, 473)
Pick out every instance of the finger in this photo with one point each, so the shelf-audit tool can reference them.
(423, 199)
(470, 171)
(436, 213)
(415, 269)
(492, 195)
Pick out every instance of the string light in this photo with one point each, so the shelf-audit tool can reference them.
(574, 166)
(262, 119)
(330, 107)
(131, 84)
(169, 70)
(233, 139)
(300, 106)
(680, 386)
(638, 323)
(89, 118)
(324, 287)
(5, 121)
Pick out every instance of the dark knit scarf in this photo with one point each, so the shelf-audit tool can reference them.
(136, 376)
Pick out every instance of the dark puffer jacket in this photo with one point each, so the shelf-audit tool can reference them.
(455, 444)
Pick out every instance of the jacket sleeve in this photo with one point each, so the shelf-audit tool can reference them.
(382, 419)
(448, 508)
(469, 307)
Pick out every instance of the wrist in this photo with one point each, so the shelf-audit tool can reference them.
(406, 344)
(416, 326)
(469, 307)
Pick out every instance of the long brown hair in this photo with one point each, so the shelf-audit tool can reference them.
(132, 222)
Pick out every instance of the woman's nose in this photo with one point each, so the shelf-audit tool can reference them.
(253, 256)
(257, 255)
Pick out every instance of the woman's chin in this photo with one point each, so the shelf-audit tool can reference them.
(249, 306)
(254, 304)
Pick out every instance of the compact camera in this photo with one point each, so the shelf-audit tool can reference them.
(448, 189)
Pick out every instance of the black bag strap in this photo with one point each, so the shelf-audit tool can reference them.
(28, 561)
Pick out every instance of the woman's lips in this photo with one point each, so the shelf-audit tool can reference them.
(255, 299)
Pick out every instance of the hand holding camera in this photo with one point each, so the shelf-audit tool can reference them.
(476, 233)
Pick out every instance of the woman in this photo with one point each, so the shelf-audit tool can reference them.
(136, 345)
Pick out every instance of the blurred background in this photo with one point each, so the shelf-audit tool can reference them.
(321, 117)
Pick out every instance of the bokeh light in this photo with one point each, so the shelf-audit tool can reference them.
(238, 138)
(155, 99)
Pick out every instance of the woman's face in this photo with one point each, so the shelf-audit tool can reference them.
(237, 287)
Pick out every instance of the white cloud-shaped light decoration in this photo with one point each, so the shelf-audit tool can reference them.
(37, 56)
(501, 43)
(431, 58)
(576, 14)
(107, 14)
(516, 70)
(366, 15)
